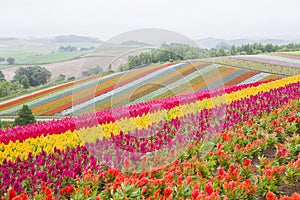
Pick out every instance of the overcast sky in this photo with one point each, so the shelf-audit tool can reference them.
(229, 19)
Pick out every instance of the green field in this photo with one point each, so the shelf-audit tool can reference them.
(41, 54)
(296, 53)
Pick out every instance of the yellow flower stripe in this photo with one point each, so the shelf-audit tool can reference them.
(36, 145)
(79, 137)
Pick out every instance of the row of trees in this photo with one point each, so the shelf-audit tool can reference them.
(252, 49)
(9, 60)
(25, 77)
(166, 53)
(177, 52)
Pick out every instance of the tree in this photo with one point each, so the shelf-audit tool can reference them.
(10, 60)
(8, 87)
(2, 77)
(36, 75)
(2, 59)
(25, 116)
(24, 81)
(221, 51)
(232, 50)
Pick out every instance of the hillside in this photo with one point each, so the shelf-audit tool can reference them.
(140, 85)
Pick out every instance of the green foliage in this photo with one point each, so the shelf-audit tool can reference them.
(36, 75)
(94, 71)
(72, 78)
(60, 78)
(6, 124)
(10, 60)
(2, 78)
(253, 49)
(166, 53)
(25, 116)
(24, 81)
(7, 88)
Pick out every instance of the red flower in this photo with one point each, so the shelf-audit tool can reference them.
(278, 129)
(283, 152)
(179, 179)
(21, 197)
(144, 189)
(291, 119)
(67, 190)
(195, 193)
(168, 191)
(189, 179)
(271, 196)
(86, 191)
(274, 123)
(247, 163)
(209, 188)
(11, 194)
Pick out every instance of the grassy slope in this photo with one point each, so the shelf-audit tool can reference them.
(40, 54)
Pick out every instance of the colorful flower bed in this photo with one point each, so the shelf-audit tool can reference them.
(272, 59)
(199, 80)
(256, 156)
(254, 129)
(273, 68)
(61, 99)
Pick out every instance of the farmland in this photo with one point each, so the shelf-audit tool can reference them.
(36, 54)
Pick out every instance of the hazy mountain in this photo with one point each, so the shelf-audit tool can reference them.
(216, 43)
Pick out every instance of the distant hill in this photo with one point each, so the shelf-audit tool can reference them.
(75, 38)
(209, 43)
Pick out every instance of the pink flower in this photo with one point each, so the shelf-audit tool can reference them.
(283, 152)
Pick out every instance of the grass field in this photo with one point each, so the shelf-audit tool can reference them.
(41, 54)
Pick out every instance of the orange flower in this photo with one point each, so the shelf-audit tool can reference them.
(86, 191)
(271, 196)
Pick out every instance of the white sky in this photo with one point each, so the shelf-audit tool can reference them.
(196, 19)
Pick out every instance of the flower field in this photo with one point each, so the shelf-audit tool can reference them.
(277, 63)
(154, 82)
(237, 142)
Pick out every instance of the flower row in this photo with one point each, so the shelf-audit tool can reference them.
(132, 111)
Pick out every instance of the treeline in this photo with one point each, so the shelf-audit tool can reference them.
(167, 53)
(252, 49)
(178, 52)
(24, 78)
